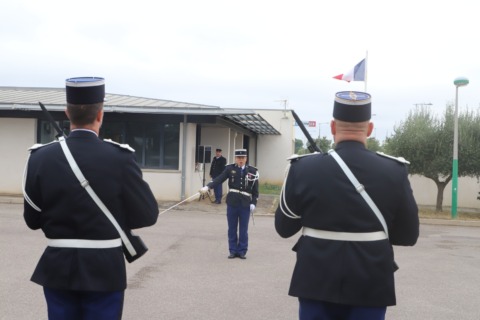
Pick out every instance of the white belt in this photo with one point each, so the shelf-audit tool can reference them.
(344, 236)
(241, 192)
(80, 243)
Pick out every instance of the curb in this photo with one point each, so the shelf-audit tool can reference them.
(260, 212)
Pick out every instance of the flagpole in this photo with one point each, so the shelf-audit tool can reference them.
(366, 69)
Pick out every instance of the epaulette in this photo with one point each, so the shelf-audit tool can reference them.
(121, 145)
(295, 157)
(252, 167)
(399, 159)
(37, 146)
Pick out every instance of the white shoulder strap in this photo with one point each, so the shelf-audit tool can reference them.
(360, 188)
(88, 188)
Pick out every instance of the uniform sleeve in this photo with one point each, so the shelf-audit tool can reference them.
(405, 225)
(286, 224)
(31, 216)
(139, 202)
(255, 191)
(219, 179)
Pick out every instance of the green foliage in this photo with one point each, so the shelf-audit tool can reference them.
(298, 145)
(374, 145)
(267, 188)
(324, 144)
(427, 142)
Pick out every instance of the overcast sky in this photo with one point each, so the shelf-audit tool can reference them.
(250, 54)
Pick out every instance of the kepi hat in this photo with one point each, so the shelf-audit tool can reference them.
(85, 90)
(352, 106)
(240, 152)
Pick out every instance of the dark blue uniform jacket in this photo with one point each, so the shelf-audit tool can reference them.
(245, 182)
(347, 272)
(68, 212)
(217, 166)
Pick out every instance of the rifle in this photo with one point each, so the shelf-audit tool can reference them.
(312, 147)
(60, 132)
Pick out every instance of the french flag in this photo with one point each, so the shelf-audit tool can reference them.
(356, 74)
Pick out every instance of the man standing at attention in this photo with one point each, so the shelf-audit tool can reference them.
(216, 168)
(82, 270)
(241, 201)
(352, 205)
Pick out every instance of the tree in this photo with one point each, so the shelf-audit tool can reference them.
(298, 145)
(374, 145)
(427, 142)
(324, 144)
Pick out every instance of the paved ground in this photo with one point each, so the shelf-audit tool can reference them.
(186, 275)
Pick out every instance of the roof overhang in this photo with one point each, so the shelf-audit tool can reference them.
(24, 99)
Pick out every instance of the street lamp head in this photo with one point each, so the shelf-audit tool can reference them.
(460, 81)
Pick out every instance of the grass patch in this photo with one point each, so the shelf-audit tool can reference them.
(432, 214)
(267, 188)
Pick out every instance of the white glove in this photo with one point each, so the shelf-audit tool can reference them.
(252, 207)
(203, 190)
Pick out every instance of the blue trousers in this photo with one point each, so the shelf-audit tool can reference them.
(237, 219)
(319, 310)
(83, 305)
(218, 190)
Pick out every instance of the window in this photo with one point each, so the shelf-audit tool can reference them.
(156, 144)
(47, 133)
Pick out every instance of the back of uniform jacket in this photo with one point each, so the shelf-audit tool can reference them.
(318, 191)
(68, 212)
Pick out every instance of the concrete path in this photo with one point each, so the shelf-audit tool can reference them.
(186, 273)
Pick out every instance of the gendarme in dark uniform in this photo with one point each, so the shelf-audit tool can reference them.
(345, 261)
(83, 263)
(241, 201)
(216, 168)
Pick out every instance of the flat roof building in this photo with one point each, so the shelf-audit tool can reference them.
(166, 135)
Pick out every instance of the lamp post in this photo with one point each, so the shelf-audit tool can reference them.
(319, 124)
(458, 82)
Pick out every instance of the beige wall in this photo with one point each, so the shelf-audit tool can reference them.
(16, 136)
(273, 150)
(425, 192)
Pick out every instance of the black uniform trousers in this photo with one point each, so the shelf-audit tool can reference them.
(320, 310)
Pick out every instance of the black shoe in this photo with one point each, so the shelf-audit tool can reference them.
(232, 255)
(242, 256)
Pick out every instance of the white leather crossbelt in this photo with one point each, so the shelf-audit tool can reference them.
(344, 236)
(241, 192)
(81, 243)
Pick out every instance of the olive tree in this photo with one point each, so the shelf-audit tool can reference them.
(427, 142)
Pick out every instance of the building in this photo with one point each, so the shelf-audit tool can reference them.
(166, 136)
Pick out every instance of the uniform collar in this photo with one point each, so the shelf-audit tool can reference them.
(82, 133)
(350, 144)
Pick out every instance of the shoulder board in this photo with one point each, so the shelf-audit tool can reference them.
(254, 168)
(294, 157)
(121, 145)
(37, 146)
(399, 159)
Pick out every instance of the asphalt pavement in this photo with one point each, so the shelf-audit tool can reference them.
(186, 273)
